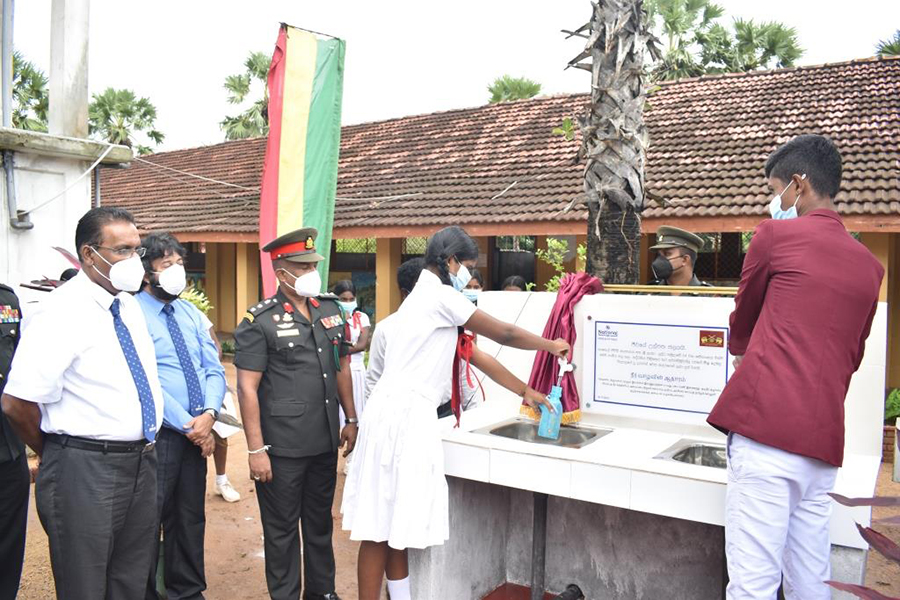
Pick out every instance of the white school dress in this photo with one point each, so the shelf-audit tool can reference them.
(396, 490)
(357, 322)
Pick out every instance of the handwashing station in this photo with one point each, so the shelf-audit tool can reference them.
(629, 502)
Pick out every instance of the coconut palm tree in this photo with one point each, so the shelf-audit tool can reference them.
(696, 44)
(116, 116)
(751, 46)
(253, 121)
(30, 99)
(679, 22)
(890, 46)
(614, 137)
(508, 88)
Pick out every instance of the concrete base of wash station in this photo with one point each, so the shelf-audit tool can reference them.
(611, 553)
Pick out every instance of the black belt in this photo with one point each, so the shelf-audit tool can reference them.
(99, 445)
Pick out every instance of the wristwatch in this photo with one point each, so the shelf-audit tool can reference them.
(351, 421)
(213, 412)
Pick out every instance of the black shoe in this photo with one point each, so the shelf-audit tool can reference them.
(328, 596)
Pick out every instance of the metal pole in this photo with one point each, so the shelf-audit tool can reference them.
(15, 221)
(538, 546)
(97, 186)
(7, 70)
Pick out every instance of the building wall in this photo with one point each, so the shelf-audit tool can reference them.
(28, 254)
(886, 249)
(232, 282)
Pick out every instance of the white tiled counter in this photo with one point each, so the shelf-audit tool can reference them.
(619, 469)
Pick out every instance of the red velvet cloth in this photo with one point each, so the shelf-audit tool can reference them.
(561, 324)
(465, 347)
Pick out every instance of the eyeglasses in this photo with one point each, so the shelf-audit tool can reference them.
(125, 252)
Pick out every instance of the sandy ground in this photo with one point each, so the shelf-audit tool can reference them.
(234, 548)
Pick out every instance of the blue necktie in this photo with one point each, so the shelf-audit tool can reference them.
(148, 408)
(195, 395)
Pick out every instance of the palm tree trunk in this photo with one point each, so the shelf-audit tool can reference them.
(613, 249)
(614, 137)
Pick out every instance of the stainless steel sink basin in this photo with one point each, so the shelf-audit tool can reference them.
(696, 453)
(526, 431)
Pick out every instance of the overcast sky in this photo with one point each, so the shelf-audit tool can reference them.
(404, 57)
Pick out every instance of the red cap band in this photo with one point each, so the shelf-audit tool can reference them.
(288, 249)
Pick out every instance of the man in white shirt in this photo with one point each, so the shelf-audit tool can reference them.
(83, 392)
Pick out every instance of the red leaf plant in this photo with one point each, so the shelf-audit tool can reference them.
(882, 544)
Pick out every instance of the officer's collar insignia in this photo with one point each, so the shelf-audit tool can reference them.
(288, 308)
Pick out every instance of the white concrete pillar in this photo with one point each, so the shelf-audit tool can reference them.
(6, 41)
(69, 28)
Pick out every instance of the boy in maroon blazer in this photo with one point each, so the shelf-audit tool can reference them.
(802, 314)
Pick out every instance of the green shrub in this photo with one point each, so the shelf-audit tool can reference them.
(228, 347)
(892, 406)
(554, 256)
(198, 298)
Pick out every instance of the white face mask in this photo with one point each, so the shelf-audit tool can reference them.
(348, 307)
(173, 279)
(461, 279)
(775, 205)
(471, 295)
(307, 285)
(126, 275)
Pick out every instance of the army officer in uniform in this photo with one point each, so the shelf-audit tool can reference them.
(293, 367)
(676, 256)
(15, 479)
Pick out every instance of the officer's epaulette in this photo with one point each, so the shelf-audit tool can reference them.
(258, 309)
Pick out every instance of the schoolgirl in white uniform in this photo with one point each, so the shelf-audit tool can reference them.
(358, 325)
(395, 496)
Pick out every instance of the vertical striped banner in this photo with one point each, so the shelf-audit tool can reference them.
(299, 179)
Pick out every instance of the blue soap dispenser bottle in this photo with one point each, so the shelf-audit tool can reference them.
(550, 421)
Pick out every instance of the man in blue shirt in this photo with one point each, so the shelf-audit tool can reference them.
(193, 384)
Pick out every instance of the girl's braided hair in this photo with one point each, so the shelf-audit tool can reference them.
(447, 243)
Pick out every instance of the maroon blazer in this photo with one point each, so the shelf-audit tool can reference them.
(801, 317)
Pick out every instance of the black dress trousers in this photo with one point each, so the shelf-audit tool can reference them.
(181, 499)
(302, 489)
(99, 512)
(15, 483)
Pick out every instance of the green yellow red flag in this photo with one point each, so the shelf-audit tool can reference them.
(305, 85)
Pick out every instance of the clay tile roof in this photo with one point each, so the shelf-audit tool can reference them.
(500, 163)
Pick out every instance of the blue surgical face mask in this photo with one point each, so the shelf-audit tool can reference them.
(471, 295)
(348, 307)
(461, 279)
(775, 205)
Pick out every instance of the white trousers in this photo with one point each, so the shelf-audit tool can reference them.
(776, 521)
